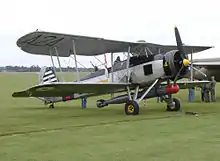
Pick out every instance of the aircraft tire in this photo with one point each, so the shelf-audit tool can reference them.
(131, 108)
(175, 107)
(51, 106)
(100, 103)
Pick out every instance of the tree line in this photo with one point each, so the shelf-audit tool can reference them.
(36, 68)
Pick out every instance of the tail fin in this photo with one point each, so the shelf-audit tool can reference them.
(47, 75)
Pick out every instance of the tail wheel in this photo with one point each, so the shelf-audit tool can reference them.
(51, 106)
(131, 108)
(175, 106)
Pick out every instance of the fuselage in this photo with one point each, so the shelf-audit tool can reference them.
(141, 71)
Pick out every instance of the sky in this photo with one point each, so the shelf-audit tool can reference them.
(153, 21)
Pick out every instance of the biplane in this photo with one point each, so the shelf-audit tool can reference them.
(150, 70)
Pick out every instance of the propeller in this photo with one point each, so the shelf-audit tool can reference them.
(184, 60)
(179, 44)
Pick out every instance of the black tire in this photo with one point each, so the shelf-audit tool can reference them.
(131, 108)
(99, 103)
(51, 106)
(175, 107)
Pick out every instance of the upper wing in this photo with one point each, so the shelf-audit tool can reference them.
(61, 89)
(40, 43)
(188, 84)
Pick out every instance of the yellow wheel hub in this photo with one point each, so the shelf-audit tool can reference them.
(131, 108)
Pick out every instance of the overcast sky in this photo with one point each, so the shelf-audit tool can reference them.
(153, 21)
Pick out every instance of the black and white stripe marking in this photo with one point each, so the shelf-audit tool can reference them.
(49, 76)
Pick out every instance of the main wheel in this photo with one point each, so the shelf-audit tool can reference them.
(131, 108)
(175, 106)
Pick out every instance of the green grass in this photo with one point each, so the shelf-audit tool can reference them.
(31, 131)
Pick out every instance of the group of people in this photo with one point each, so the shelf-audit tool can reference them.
(207, 90)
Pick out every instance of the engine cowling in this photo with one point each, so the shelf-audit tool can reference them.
(172, 63)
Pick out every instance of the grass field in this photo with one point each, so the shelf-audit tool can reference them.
(31, 131)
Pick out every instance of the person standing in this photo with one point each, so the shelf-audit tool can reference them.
(212, 88)
(191, 94)
(84, 101)
(158, 99)
(202, 92)
(206, 92)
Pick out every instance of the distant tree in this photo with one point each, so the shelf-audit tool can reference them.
(36, 68)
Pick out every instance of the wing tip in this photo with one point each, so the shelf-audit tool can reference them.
(14, 94)
(20, 94)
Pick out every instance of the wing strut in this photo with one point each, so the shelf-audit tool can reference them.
(191, 69)
(58, 60)
(74, 51)
(159, 51)
(149, 51)
(112, 74)
(128, 63)
(50, 50)
(57, 54)
(112, 64)
(148, 90)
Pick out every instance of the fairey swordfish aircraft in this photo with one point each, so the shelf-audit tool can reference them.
(150, 70)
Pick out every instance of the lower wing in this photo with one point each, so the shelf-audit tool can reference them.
(61, 89)
(188, 84)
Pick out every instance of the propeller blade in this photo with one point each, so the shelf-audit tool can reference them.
(177, 75)
(185, 62)
(198, 71)
(179, 43)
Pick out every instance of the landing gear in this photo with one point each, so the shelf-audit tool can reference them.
(51, 105)
(174, 105)
(131, 108)
(133, 99)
